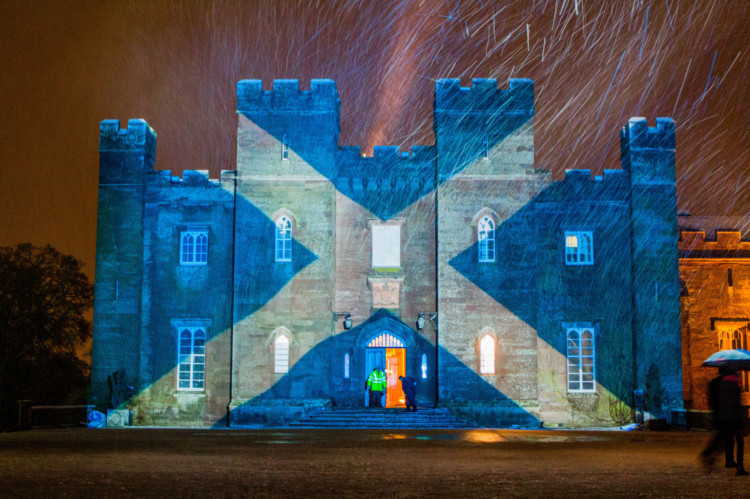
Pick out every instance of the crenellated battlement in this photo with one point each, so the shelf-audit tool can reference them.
(386, 160)
(694, 242)
(138, 136)
(638, 135)
(484, 96)
(584, 176)
(190, 178)
(287, 97)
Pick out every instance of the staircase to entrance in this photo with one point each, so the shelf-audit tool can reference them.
(352, 417)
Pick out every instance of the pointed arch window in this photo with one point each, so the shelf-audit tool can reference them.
(191, 359)
(281, 355)
(194, 247)
(731, 337)
(283, 240)
(346, 366)
(486, 239)
(487, 355)
(581, 360)
(424, 366)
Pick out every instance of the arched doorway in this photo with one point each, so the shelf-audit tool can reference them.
(388, 352)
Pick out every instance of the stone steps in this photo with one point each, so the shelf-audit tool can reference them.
(380, 418)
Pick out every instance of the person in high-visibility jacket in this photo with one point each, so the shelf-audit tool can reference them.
(376, 384)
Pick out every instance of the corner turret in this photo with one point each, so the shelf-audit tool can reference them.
(648, 154)
(125, 155)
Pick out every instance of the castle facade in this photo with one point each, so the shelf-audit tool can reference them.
(274, 290)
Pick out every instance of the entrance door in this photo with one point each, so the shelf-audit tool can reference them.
(387, 351)
(395, 366)
(374, 357)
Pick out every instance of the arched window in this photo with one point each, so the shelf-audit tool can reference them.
(285, 147)
(385, 340)
(424, 366)
(730, 339)
(346, 366)
(579, 248)
(487, 355)
(486, 239)
(581, 360)
(194, 247)
(191, 359)
(281, 355)
(485, 147)
(283, 240)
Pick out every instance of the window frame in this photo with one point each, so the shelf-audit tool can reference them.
(570, 353)
(285, 239)
(189, 253)
(485, 146)
(281, 362)
(574, 251)
(486, 245)
(194, 357)
(725, 335)
(487, 355)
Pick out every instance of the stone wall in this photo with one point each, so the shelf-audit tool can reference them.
(713, 302)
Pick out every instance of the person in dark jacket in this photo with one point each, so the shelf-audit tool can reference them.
(724, 400)
(409, 386)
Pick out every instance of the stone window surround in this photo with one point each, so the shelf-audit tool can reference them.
(486, 332)
(566, 328)
(195, 229)
(276, 218)
(271, 344)
(578, 233)
(191, 324)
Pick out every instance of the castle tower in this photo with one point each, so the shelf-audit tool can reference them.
(126, 156)
(649, 155)
(284, 242)
(486, 182)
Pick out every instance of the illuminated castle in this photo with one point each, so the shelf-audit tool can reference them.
(272, 292)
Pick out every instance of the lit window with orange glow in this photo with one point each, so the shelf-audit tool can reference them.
(731, 337)
(581, 360)
(486, 240)
(487, 355)
(579, 248)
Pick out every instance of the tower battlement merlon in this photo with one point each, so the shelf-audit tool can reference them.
(484, 96)
(137, 137)
(287, 97)
(640, 136)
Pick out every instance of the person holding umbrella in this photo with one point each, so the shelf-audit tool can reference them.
(724, 400)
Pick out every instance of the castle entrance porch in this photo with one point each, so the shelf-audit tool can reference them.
(388, 352)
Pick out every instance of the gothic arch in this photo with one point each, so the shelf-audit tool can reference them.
(284, 212)
(385, 325)
(486, 211)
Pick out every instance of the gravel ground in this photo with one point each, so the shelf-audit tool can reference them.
(304, 463)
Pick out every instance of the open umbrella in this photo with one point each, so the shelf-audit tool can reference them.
(733, 359)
